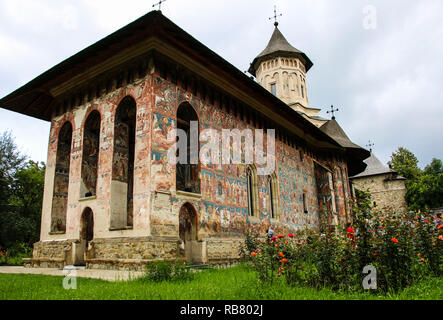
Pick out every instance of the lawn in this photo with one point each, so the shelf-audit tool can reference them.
(238, 283)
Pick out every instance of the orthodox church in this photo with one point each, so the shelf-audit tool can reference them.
(113, 200)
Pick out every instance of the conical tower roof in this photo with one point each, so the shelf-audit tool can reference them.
(278, 46)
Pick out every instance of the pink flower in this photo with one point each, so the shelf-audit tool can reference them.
(290, 235)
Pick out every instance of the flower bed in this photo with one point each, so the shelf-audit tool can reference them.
(401, 248)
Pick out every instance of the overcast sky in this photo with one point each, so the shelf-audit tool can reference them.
(384, 74)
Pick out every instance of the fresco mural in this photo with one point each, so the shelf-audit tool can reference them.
(124, 150)
(324, 194)
(61, 179)
(91, 147)
(224, 195)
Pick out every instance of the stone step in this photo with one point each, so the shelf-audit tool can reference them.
(199, 266)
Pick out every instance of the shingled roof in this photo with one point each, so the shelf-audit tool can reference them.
(279, 46)
(376, 167)
(333, 129)
(154, 32)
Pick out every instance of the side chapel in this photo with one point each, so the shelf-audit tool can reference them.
(111, 198)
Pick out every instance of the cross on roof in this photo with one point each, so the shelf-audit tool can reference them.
(275, 16)
(370, 145)
(333, 111)
(159, 4)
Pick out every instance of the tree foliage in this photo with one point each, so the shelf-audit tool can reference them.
(10, 161)
(405, 163)
(425, 188)
(425, 192)
(21, 195)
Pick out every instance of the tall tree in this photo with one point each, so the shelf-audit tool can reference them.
(434, 168)
(426, 192)
(22, 223)
(21, 195)
(10, 161)
(405, 163)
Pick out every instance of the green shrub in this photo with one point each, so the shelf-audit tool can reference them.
(13, 255)
(251, 243)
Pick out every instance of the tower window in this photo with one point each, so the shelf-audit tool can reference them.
(302, 91)
(274, 89)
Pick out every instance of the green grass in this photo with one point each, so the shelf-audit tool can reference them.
(238, 283)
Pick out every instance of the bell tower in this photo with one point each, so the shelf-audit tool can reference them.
(281, 69)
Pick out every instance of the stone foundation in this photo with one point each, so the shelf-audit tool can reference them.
(222, 251)
(131, 254)
(50, 254)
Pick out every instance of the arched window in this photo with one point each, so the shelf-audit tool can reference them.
(61, 180)
(251, 175)
(273, 192)
(91, 148)
(188, 174)
(122, 185)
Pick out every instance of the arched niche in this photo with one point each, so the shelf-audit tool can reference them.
(122, 184)
(91, 150)
(188, 174)
(61, 180)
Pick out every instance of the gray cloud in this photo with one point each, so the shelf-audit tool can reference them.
(387, 82)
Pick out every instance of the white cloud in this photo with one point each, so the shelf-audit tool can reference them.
(387, 82)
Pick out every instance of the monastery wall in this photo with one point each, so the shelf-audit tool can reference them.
(221, 207)
(388, 195)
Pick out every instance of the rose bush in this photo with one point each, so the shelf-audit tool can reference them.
(402, 247)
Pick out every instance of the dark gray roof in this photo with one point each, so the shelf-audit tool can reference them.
(333, 129)
(376, 167)
(279, 46)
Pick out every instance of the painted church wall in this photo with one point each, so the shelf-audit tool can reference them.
(222, 205)
(100, 202)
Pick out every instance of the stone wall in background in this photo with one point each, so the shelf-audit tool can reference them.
(388, 195)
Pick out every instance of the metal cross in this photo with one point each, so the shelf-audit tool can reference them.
(159, 5)
(333, 111)
(275, 16)
(370, 145)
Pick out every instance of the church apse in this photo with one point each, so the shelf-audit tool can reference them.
(61, 180)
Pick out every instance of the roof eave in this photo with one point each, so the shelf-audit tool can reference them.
(255, 64)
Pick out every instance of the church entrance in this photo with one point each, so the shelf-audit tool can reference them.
(192, 249)
(86, 236)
